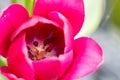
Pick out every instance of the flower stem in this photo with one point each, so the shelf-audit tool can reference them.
(28, 4)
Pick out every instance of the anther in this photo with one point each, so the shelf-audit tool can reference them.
(48, 49)
(35, 43)
(28, 47)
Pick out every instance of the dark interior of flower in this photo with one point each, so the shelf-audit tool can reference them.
(44, 40)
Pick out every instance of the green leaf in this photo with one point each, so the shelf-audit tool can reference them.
(28, 4)
(114, 7)
(19, 1)
(3, 61)
(13, 1)
(2, 77)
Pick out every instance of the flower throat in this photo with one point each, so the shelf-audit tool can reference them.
(44, 40)
(37, 51)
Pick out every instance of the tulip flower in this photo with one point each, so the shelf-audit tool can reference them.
(42, 47)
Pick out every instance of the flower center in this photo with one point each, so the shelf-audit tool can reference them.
(37, 51)
(44, 40)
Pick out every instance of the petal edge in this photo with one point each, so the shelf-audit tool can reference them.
(87, 59)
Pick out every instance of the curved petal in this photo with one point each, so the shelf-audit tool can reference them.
(47, 69)
(4, 69)
(32, 23)
(10, 20)
(73, 10)
(13, 16)
(5, 32)
(65, 60)
(18, 61)
(67, 28)
(88, 57)
(6, 72)
(11, 76)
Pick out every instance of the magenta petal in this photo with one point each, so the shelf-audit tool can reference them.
(18, 61)
(73, 10)
(10, 76)
(16, 15)
(10, 20)
(66, 60)
(31, 23)
(88, 57)
(47, 69)
(5, 32)
(4, 70)
(67, 28)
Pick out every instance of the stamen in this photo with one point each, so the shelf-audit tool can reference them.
(28, 47)
(48, 49)
(30, 55)
(37, 52)
(35, 43)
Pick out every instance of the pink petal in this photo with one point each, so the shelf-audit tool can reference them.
(47, 69)
(68, 32)
(73, 10)
(5, 32)
(4, 69)
(10, 20)
(32, 23)
(6, 72)
(18, 61)
(66, 60)
(11, 76)
(16, 15)
(67, 28)
(88, 57)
